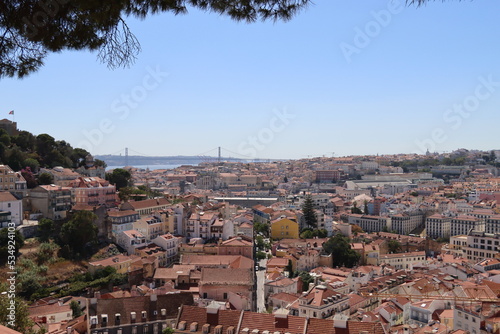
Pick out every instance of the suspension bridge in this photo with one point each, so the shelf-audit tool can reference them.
(130, 157)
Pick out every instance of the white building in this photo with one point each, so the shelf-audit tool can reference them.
(493, 224)
(12, 209)
(171, 246)
(370, 223)
(481, 245)
(130, 240)
(404, 260)
(464, 224)
(438, 226)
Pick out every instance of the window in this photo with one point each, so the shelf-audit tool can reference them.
(225, 295)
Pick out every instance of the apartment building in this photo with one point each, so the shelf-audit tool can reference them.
(406, 222)
(370, 223)
(493, 224)
(404, 260)
(51, 201)
(438, 226)
(482, 245)
(464, 224)
(93, 191)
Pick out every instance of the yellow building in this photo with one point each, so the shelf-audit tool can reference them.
(120, 262)
(284, 228)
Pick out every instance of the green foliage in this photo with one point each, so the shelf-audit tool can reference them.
(308, 212)
(29, 278)
(15, 240)
(119, 177)
(394, 246)
(308, 233)
(100, 163)
(306, 280)
(31, 152)
(260, 255)
(46, 229)
(77, 234)
(100, 26)
(47, 253)
(168, 330)
(45, 178)
(21, 321)
(75, 309)
(443, 240)
(355, 209)
(289, 268)
(260, 242)
(342, 254)
(261, 228)
(33, 164)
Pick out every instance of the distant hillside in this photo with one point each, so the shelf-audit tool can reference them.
(135, 160)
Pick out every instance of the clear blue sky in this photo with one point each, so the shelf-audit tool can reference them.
(350, 83)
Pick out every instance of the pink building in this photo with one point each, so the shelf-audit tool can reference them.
(236, 246)
(93, 191)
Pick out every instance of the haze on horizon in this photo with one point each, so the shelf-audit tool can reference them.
(347, 77)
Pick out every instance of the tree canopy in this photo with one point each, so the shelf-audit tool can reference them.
(308, 211)
(342, 254)
(32, 29)
(120, 177)
(78, 233)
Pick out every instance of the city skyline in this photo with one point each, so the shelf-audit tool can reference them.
(340, 77)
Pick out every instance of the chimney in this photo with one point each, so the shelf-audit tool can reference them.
(340, 320)
(153, 297)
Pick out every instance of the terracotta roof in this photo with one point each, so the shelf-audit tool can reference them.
(7, 330)
(124, 307)
(148, 203)
(286, 297)
(174, 272)
(225, 276)
(322, 326)
(285, 281)
(202, 316)
(6, 196)
(237, 241)
(272, 323)
(234, 261)
(123, 213)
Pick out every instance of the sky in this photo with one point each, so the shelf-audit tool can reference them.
(341, 78)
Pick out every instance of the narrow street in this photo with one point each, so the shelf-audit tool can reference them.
(260, 286)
